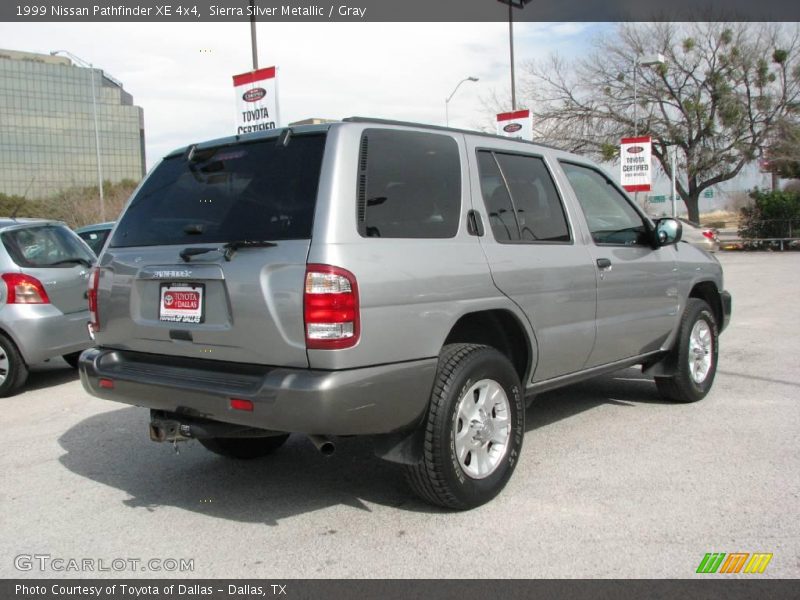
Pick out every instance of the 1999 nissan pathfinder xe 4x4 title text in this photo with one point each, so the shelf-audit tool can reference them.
(410, 283)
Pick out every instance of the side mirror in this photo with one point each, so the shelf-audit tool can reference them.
(668, 231)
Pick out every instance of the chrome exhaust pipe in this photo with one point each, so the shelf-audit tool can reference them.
(324, 444)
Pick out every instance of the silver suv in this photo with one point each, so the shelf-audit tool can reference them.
(411, 283)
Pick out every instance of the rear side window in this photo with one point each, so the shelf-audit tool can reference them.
(497, 199)
(252, 191)
(409, 185)
(47, 246)
(521, 198)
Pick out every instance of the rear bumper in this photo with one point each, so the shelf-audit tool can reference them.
(41, 331)
(725, 299)
(371, 400)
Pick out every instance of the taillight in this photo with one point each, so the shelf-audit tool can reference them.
(24, 289)
(708, 233)
(91, 295)
(330, 306)
(240, 404)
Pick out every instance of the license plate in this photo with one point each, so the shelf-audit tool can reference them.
(181, 303)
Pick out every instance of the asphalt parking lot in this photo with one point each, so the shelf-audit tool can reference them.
(612, 482)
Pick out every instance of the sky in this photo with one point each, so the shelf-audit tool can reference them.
(180, 74)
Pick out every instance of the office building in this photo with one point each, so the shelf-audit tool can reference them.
(47, 126)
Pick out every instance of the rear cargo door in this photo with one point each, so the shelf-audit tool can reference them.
(209, 258)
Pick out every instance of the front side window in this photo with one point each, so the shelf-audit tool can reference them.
(610, 216)
(409, 185)
(521, 199)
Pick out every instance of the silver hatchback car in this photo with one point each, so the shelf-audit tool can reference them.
(43, 308)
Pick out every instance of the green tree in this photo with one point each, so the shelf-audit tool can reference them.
(718, 97)
(783, 154)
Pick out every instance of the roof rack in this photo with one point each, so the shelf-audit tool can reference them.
(442, 128)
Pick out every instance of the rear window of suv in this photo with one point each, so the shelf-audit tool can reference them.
(261, 190)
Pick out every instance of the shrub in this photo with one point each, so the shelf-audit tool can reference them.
(773, 214)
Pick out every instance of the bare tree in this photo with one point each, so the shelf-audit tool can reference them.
(722, 91)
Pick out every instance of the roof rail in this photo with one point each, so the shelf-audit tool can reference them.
(442, 128)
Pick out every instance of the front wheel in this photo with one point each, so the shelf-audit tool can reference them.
(244, 448)
(695, 354)
(473, 431)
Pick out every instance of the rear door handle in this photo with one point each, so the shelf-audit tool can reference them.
(603, 263)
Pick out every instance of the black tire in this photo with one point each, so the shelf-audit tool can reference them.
(13, 368)
(244, 448)
(683, 387)
(441, 478)
(72, 359)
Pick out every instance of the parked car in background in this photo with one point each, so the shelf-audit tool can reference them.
(96, 235)
(44, 268)
(705, 238)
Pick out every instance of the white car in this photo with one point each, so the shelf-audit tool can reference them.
(703, 237)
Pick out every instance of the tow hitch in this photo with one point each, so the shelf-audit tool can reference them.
(167, 430)
(174, 428)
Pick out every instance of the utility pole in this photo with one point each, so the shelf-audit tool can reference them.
(253, 35)
(512, 4)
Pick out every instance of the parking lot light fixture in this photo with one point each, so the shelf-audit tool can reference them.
(642, 61)
(450, 97)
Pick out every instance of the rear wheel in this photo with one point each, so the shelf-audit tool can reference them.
(473, 431)
(244, 448)
(13, 370)
(695, 354)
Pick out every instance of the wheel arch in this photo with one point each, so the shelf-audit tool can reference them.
(708, 292)
(6, 332)
(666, 365)
(501, 329)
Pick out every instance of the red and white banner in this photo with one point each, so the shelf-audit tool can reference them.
(517, 124)
(256, 101)
(635, 159)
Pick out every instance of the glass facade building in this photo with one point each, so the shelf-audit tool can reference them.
(47, 131)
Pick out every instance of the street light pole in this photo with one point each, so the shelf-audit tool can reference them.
(511, 52)
(674, 166)
(647, 61)
(97, 149)
(650, 61)
(447, 100)
(96, 129)
(635, 99)
(512, 4)
(253, 44)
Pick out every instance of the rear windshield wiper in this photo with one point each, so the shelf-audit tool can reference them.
(227, 250)
(76, 260)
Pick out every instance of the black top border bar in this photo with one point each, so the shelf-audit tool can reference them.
(188, 11)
